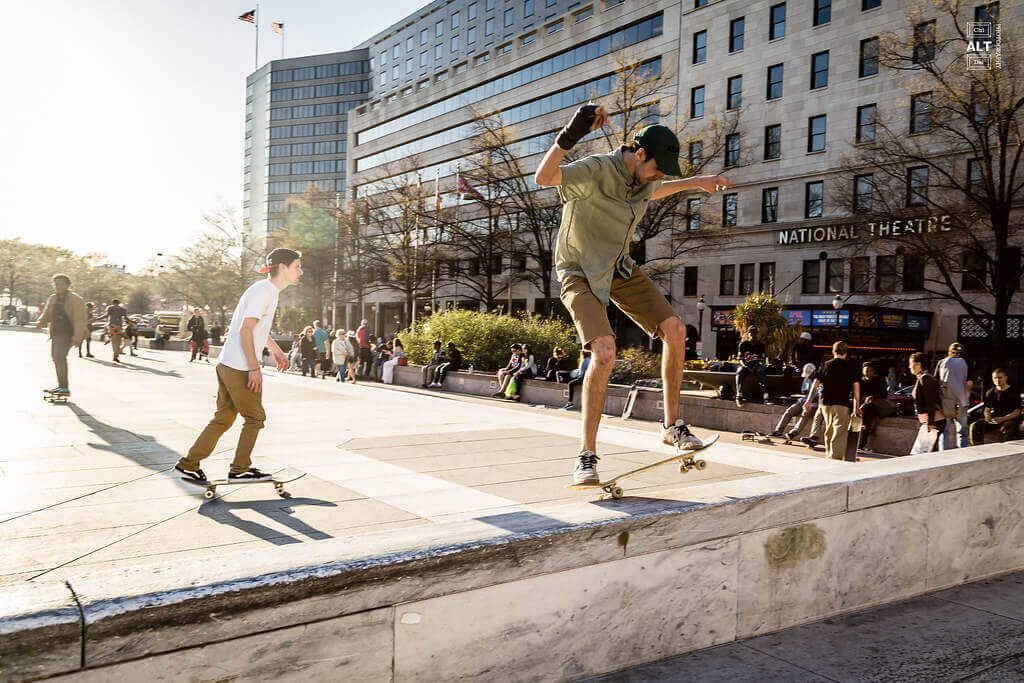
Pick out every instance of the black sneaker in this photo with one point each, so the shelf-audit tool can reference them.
(196, 474)
(810, 442)
(252, 474)
(777, 433)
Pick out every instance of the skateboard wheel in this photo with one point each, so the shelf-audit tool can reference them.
(208, 493)
(616, 492)
(683, 469)
(701, 464)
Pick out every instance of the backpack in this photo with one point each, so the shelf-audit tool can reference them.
(947, 404)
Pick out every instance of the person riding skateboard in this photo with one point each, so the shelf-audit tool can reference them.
(65, 313)
(605, 197)
(239, 378)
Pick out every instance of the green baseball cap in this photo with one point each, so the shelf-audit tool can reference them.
(662, 144)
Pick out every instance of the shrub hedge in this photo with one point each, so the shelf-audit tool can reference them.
(484, 338)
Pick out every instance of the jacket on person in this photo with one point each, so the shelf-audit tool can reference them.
(926, 396)
(74, 306)
(197, 326)
(307, 348)
(454, 359)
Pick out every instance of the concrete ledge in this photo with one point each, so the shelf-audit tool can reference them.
(511, 595)
(893, 436)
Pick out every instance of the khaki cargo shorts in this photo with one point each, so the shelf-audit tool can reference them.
(636, 296)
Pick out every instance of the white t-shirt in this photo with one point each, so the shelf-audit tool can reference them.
(260, 302)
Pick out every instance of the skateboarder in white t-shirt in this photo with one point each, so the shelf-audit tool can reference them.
(239, 378)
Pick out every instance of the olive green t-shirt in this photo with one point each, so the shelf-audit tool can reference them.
(603, 203)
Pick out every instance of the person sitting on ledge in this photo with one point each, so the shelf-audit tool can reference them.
(752, 356)
(795, 410)
(505, 373)
(1002, 411)
(553, 371)
(453, 361)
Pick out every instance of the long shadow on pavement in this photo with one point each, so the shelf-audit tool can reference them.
(223, 512)
(134, 366)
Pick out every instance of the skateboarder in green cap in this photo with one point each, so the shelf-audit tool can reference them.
(604, 198)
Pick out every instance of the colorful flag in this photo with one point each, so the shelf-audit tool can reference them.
(466, 188)
(277, 26)
(249, 16)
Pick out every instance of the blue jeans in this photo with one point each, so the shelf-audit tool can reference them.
(955, 435)
(743, 371)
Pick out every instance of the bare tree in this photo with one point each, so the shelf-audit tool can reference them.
(946, 162)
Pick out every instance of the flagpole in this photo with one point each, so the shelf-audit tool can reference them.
(257, 24)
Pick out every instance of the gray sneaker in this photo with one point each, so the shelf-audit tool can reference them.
(679, 435)
(586, 469)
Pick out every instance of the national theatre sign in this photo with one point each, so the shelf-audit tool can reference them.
(878, 228)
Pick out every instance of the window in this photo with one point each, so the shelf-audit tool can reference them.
(690, 281)
(699, 3)
(455, 20)
(860, 273)
(975, 177)
(773, 141)
(439, 29)
(811, 277)
(424, 36)
(505, 49)
(734, 92)
(736, 34)
(527, 8)
(396, 50)
(583, 15)
(924, 42)
(863, 192)
(819, 70)
(489, 27)
(917, 186)
(732, 149)
(608, 4)
(697, 102)
(483, 59)
(866, 123)
(727, 280)
(471, 35)
(777, 21)
(454, 44)
(528, 38)
(920, 113)
(556, 26)
(383, 57)
(471, 11)
(973, 279)
(887, 274)
(822, 12)
(868, 57)
(461, 68)
(869, 4)
(510, 16)
(408, 66)
(816, 133)
(383, 77)
(488, 5)
(550, 3)
(813, 197)
(774, 90)
(766, 279)
(395, 72)
(729, 207)
(834, 275)
(989, 12)
(696, 155)
(913, 273)
(424, 58)
(410, 43)
(438, 51)
(746, 279)
(693, 214)
(700, 46)
(770, 205)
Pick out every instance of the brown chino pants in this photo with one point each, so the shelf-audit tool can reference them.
(233, 397)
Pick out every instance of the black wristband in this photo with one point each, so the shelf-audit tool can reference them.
(578, 127)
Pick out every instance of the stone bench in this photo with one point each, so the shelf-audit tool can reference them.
(893, 435)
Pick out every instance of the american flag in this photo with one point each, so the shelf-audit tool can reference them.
(249, 16)
(277, 26)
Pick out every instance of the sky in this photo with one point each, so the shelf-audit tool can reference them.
(123, 120)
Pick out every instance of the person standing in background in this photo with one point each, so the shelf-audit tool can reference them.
(953, 371)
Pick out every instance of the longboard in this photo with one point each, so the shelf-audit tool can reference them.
(686, 463)
(211, 484)
(50, 396)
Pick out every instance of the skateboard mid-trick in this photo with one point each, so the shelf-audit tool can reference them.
(686, 461)
(212, 484)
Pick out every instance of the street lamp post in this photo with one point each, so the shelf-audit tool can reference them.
(837, 303)
(700, 317)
